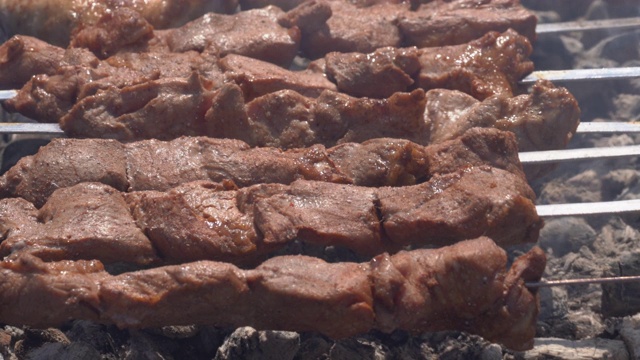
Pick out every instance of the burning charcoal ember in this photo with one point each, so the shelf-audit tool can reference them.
(248, 343)
(621, 299)
(54, 20)
(462, 287)
(160, 165)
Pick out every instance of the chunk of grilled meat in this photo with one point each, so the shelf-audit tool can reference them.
(488, 66)
(160, 165)
(54, 20)
(462, 287)
(21, 57)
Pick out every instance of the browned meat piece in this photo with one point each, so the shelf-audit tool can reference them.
(204, 220)
(53, 20)
(257, 78)
(22, 57)
(545, 119)
(490, 65)
(50, 293)
(452, 206)
(283, 118)
(309, 17)
(485, 67)
(36, 178)
(159, 65)
(47, 98)
(159, 165)
(462, 287)
(290, 4)
(88, 221)
(159, 109)
(186, 49)
(379, 74)
(451, 22)
(435, 23)
(287, 119)
(114, 31)
(253, 33)
(355, 29)
(535, 119)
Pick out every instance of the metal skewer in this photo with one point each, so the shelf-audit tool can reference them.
(556, 156)
(552, 75)
(573, 75)
(567, 282)
(589, 208)
(583, 128)
(7, 94)
(609, 24)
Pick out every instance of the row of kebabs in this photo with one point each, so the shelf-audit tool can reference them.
(323, 26)
(148, 77)
(129, 206)
(467, 187)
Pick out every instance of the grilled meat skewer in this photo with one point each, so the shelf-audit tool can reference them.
(160, 165)
(54, 20)
(216, 221)
(170, 108)
(462, 287)
(379, 74)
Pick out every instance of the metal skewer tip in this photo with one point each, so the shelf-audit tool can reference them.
(583, 74)
(7, 94)
(568, 282)
(608, 24)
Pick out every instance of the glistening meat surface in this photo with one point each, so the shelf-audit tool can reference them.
(461, 287)
(286, 119)
(204, 220)
(484, 67)
(54, 20)
(161, 165)
(76, 73)
(436, 23)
